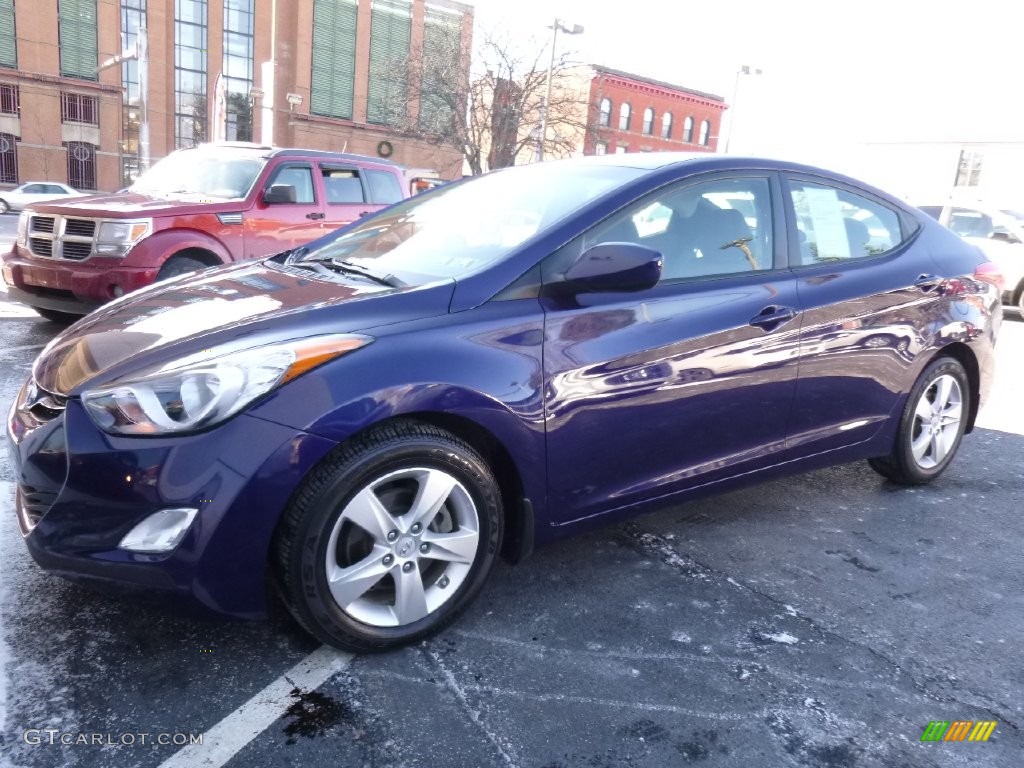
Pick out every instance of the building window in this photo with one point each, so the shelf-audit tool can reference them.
(81, 164)
(625, 112)
(8, 35)
(334, 58)
(190, 111)
(606, 113)
(649, 121)
(76, 108)
(133, 18)
(705, 132)
(601, 148)
(8, 159)
(77, 35)
(688, 130)
(9, 99)
(442, 44)
(666, 125)
(238, 57)
(390, 34)
(621, 149)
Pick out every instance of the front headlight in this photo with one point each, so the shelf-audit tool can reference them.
(115, 238)
(190, 396)
(22, 236)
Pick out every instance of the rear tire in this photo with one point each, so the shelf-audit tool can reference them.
(931, 426)
(179, 265)
(4, 207)
(64, 318)
(389, 539)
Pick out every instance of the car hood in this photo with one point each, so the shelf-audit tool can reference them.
(127, 204)
(219, 311)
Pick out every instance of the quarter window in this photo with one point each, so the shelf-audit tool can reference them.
(836, 225)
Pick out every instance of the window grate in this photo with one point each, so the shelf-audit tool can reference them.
(10, 102)
(78, 108)
(81, 164)
(8, 158)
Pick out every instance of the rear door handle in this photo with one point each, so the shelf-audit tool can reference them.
(928, 282)
(315, 215)
(772, 316)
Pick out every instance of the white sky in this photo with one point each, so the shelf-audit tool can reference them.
(835, 73)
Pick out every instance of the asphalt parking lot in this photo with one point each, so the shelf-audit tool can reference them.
(823, 620)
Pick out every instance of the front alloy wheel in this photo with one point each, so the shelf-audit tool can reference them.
(931, 427)
(389, 538)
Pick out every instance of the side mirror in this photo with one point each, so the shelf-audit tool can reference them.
(279, 193)
(615, 267)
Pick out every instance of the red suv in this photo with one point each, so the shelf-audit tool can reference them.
(196, 208)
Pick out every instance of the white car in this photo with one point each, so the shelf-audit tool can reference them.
(34, 192)
(998, 232)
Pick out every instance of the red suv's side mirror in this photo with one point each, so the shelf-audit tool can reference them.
(279, 193)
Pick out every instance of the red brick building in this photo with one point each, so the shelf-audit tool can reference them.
(630, 113)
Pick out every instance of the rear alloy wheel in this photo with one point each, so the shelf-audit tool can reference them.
(389, 539)
(931, 427)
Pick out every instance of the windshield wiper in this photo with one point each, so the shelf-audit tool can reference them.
(344, 267)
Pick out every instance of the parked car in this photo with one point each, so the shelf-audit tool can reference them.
(372, 419)
(196, 208)
(34, 192)
(999, 232)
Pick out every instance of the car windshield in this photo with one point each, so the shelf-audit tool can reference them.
(193, 172)
(458, 230)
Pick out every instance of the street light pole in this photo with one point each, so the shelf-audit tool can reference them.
(575, 30)
(744, 70)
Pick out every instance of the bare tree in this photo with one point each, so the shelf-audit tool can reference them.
(490, 114)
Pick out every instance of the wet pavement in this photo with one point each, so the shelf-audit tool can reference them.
(822, 620)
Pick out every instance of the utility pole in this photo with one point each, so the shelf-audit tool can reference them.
(575, 30)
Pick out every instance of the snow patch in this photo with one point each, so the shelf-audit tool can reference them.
(781, 637)
(681, 637)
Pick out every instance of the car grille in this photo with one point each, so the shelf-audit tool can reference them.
(42, 224)
(80, 227)
(61, 238)
(41, 246)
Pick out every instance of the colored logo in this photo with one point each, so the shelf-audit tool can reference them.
(958, 730)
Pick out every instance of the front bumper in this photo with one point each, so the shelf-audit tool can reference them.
(76, 287)
(79, 491)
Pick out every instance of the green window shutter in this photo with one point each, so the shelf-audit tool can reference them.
(78, 54)
(442, 41)
(334, 58)
(8, 40)
(390, 36)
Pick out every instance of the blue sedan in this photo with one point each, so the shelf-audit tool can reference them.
(370, 421)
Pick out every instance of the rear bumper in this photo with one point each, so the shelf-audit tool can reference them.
(76, 287)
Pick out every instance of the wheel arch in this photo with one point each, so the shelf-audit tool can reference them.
(964, 355)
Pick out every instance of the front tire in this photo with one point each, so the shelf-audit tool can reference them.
(4, 207)
(179, 265)
(63, 318)
(389, 539)
(931, 426)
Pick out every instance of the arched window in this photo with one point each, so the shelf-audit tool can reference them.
(606, 112)
(625, 112)
(688, 130)
(649, 121)
(705, 132)
(666, 125)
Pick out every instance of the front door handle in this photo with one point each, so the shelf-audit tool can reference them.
(772, 316)
(928, 282)
(315, 215)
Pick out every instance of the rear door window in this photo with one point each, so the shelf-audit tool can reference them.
(835, 224)
(342, 186)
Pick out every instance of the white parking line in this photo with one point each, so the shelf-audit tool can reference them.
(224, 740)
